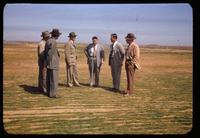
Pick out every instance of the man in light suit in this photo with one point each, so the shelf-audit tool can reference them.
(71, 61)
(41, 62)
(95, 58)
(116, 58)
(132, 61)
(52, 59)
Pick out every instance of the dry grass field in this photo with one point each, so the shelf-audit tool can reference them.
(161, 103)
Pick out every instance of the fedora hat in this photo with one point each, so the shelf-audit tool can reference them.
(45, 34)
(72, 34)
(55, 31)
(130, 35)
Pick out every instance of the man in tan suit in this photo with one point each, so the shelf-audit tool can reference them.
(71, 61)
(41, 62)
(131, 64)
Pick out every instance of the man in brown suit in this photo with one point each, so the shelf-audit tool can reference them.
(71, 61)
(41, 62)
(131, 64)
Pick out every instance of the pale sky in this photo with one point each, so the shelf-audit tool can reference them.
(165, 24)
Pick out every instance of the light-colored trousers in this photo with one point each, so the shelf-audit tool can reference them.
(94, 71)
(52, 82)
(116, 75)
(130, 71)
(72, 75)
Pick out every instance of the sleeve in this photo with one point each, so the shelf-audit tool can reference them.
(122, 51)
(136, 54)
(86, 51)
(50, 52)
(102, 53)
(67, 52)
(38, 50)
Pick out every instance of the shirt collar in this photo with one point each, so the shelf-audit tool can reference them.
(115, 43)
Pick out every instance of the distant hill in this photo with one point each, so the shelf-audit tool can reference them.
(152, 46)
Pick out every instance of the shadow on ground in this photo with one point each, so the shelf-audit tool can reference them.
(31, 89)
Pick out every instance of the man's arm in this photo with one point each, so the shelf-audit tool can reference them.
(102, 53)
(86, 51)
(122, 51)
(67, 52)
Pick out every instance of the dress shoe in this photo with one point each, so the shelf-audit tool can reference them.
(56, 96)
(126, 95)
(77, 85)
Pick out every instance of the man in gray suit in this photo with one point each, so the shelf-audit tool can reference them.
(116, 58)
(95, 58)
(71, 61)
(52, 59)
(41, 62)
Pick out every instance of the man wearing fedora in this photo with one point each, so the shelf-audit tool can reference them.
(71, 61)
(95, 58)
(132, 61)
(52, 59)
(41, 62)
(116, 58)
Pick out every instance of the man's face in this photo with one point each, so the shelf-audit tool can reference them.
(129, 40)
(94, 41)
(56, 37)
(112, 39)
(73, 38)
(46, 38)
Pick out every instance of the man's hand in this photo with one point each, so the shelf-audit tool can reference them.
(102, 61)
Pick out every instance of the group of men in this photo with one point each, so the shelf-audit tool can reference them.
(48, 61)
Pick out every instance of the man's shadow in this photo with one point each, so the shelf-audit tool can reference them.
(31, 89)
(107, 88)
(85, 84)
(103, 87)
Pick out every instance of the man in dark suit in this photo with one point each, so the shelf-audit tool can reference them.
(116, 58)
(52, 59)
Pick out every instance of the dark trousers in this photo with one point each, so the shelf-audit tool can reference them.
(116, 75)
(42, 75)
(130, 71)
(52, 82)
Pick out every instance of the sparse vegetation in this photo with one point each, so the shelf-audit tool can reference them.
(161, 103)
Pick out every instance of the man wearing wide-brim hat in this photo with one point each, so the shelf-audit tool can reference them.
(52, 59)
(41, 62)
(131, 61)
(71, 61)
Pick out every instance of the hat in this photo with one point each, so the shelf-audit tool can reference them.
(94, 37)
(72, 34)
(45, 34)
(55, 31)
(130, 35)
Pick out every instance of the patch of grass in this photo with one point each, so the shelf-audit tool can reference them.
(161, 103)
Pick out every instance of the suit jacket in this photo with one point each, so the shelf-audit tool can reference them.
(70, 53)
(99, 53)
(40, 50)
(51, 54)
(116, 56)
(132, 55)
